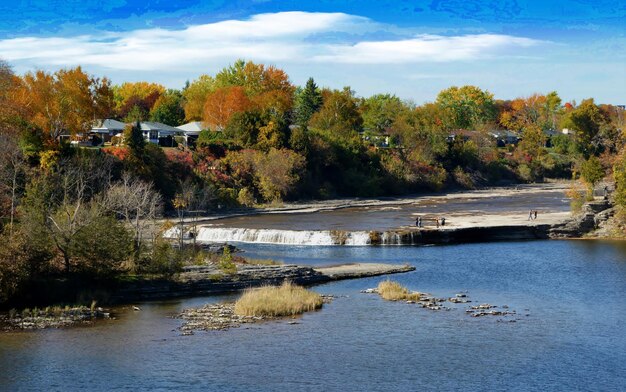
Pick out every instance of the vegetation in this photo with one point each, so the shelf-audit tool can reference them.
(89, 213)
(276, 301)
(394, 291)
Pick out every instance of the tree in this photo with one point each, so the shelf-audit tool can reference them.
(134, 139)
(168, 109)
(466, 107)
(67, 100)
(195, 95)
(591, 172)
(380, 111)
(308, 102)
(137, 203)
(339, 114)
(142, 94)
(277, 172)
(13, 168)
(585, 120)
(537, 111)
(222, 104)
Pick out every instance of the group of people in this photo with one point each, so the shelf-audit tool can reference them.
(439, 221)
(532, 214)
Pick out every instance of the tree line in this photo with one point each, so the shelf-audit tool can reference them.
(67, 210)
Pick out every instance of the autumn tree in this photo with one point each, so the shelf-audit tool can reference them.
(536, 111)
(67, 100)
(277, 172)
(134, 101)
(222, 104)
(195, 95)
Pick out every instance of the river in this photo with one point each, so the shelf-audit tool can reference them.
(568, 333)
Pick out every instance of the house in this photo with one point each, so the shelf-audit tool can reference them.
(191, 131)
(103, 130)
(158, 133)
(504, 137)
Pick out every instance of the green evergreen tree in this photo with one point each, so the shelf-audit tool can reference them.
(308, 102)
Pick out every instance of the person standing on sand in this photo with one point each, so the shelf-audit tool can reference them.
(530, 215)
(535, 214)
(437, 221)
(443, 221)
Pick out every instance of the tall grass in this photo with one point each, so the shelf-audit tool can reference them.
(394, 291)
(275, 301)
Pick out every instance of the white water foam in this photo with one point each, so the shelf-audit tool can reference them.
(284, 237)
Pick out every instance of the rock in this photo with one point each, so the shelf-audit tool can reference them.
(136, 308)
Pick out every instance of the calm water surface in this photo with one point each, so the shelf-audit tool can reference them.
(572, 339)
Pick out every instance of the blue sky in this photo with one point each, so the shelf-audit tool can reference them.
(410, 48)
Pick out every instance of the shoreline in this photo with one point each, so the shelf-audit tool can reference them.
(207, 280)
(339, 204)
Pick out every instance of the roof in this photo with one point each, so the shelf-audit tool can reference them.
(194, 127)
(157, 126)
(107, 125)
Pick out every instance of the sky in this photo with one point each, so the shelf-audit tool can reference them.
(412, 49)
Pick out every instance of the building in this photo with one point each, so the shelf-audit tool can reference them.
(103, 130)
(505, 137)
(159, 133)
(191, 131)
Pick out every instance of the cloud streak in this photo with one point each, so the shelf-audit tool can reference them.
(278, 37)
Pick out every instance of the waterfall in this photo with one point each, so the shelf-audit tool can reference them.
(286, 237)
(209, 234)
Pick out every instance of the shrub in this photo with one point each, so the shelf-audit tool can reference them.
(275, 301)
(394, 291)
(226, 264)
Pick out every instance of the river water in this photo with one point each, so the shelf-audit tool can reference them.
(388, 217)
(568, 333)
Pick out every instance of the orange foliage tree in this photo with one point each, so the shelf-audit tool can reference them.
(67, 100)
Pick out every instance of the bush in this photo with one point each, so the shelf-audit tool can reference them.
(394, 291)
(226, 264)
(276, 301)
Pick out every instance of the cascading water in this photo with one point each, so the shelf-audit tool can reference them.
(208, 234)
(285, 237)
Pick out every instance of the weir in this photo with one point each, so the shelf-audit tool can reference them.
(207, 234)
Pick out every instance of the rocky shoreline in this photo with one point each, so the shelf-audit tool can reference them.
(36, 319)
(222, 316)
(209, 280)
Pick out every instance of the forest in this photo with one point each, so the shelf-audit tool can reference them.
(73, 212)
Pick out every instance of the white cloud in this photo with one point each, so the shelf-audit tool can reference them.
(425, 48)
(286, 37)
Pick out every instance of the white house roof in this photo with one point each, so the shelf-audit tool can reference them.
(107, 125)
(147, 126)
(193, 128)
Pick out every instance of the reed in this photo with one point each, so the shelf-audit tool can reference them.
(275, 301)
(394, 291)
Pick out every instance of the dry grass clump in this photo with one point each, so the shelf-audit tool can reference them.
(275, 301)
(394, 291)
